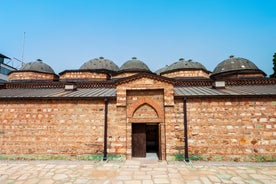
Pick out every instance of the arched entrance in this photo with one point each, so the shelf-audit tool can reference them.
(146, 138)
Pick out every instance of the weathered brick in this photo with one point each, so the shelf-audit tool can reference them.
(218, 128)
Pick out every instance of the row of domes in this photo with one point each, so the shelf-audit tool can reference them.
(101, 63)
(228, 65)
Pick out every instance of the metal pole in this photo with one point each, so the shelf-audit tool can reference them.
(105, 129)
(23, 49)
(185, 129)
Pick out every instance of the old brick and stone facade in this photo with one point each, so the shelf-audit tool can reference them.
(230, 112)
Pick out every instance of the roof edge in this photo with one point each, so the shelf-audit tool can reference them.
(144, 74)
(3, 56)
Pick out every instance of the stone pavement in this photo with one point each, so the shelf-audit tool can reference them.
(134, 172)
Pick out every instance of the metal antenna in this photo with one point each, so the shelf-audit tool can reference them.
(22, 60)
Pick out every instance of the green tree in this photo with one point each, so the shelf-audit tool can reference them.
(274, 66)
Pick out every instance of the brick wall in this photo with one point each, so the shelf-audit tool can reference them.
(70, 127)
(31, 76)
(145, 84)
(153, 99)
(187, 73)
(239, 129)
(83, 75)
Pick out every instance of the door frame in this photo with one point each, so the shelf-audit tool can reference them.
(159, 139)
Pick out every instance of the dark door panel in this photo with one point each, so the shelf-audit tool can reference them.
(139, 140)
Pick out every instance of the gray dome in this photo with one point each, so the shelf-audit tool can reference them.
(134, 65)
(100, 63)
(165, 68)
(182, 65)
(38, 66)
(235, 64)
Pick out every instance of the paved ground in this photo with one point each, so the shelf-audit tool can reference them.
(134, 171)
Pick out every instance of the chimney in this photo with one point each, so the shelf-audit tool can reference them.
(219, 85)
(70, 87)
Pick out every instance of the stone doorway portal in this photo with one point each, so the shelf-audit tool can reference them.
(145, 139)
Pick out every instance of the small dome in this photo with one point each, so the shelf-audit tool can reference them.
(235, 64)
(165, 68)
(134, 65)
(100, 63)
(38, 66)
(182, 65)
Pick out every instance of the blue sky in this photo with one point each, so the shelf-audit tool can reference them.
(67, 33)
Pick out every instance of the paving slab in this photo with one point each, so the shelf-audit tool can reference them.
(134, 171)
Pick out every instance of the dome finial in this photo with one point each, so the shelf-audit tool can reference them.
(134, 65)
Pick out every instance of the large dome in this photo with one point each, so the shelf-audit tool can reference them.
(38, 66)
(100, 63)
(181, 64)
(233, 64)
(134, 65)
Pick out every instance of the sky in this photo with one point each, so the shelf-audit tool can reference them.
(67, 33)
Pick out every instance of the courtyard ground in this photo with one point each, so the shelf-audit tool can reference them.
(134, 172)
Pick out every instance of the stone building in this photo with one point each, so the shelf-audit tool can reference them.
(180, 110)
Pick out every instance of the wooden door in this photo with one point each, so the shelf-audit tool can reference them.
(159, 142)
(139, 140)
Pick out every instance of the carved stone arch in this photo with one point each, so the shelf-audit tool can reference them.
(145, 111)
(142, 102)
